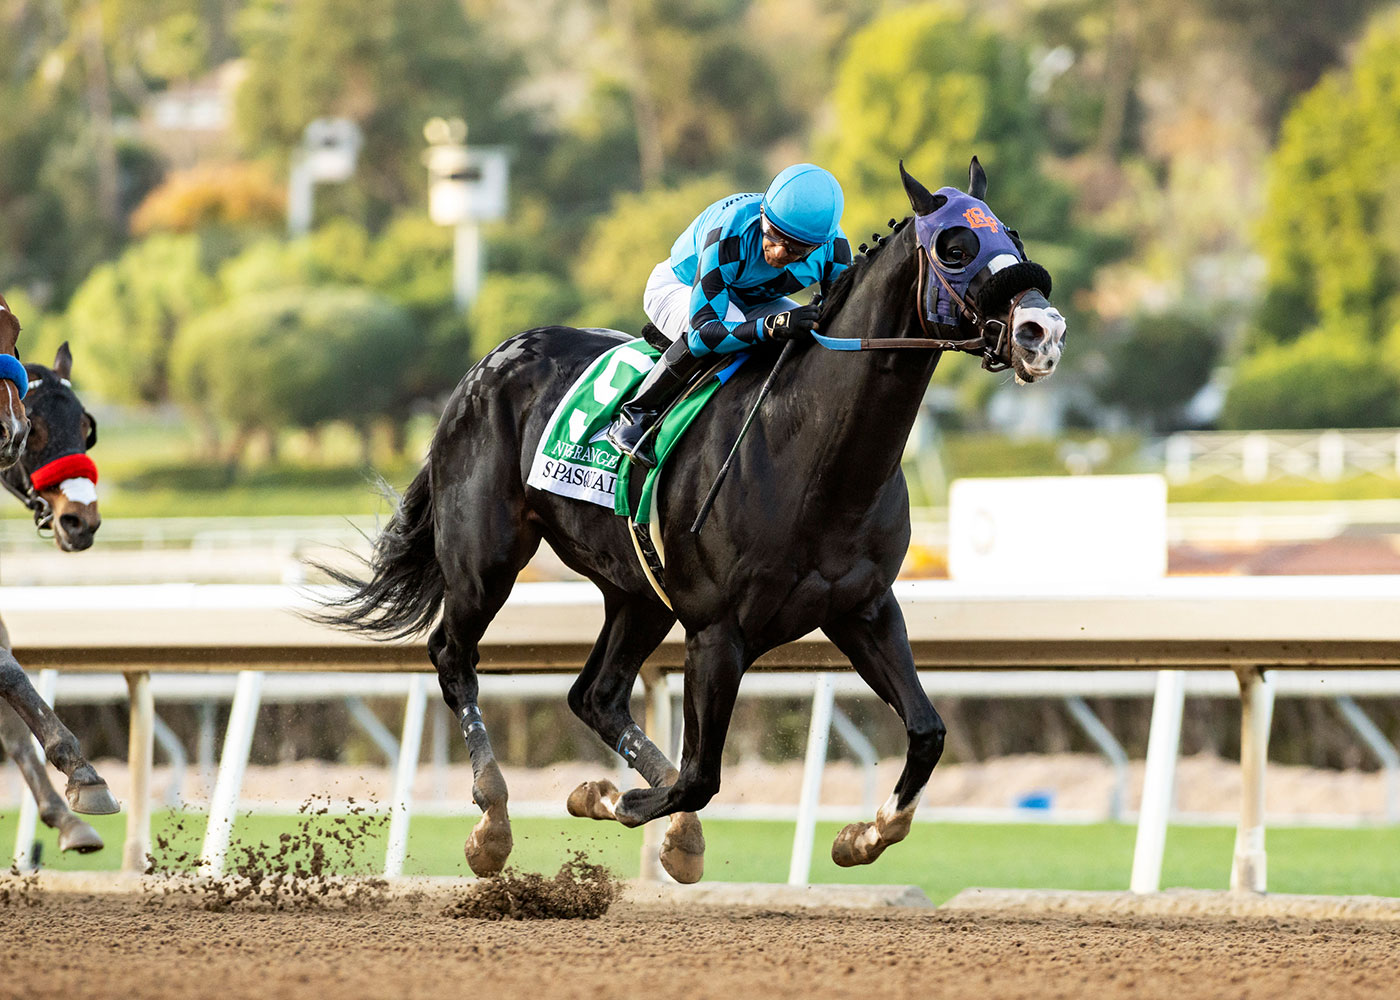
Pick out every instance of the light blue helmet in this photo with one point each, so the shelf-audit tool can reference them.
(805, 202)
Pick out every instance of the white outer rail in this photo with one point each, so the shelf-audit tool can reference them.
(1249, 625)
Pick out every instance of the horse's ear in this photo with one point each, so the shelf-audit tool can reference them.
(977, 181)
(63, 361)
(920, 198)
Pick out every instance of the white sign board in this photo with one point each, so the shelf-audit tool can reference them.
(1058, 529)
(467, 185)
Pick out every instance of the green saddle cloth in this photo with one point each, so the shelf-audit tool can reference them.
(575, 459)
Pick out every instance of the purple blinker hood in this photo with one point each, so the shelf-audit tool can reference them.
(960, 209)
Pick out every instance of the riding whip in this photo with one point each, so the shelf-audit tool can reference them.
(724, 469)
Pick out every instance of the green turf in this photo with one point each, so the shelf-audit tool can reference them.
(942, 858)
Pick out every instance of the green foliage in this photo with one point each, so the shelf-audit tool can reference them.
(388, 65)
(1331, 233)
(125, 317)
(510, 303)
(1158, 365)
(932, 86)
(297, 357)
(624, 245)
(1326, 378)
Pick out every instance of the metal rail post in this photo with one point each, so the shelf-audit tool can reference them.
(818, 739)
(658, 727)
(1159, 781)
(1249, 872)
(141, 751)
(1370, 734)
(238, 741)
(401, 804)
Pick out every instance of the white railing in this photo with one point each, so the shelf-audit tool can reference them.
(1247, 625)
(1261, 456)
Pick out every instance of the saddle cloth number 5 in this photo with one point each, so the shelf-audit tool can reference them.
(604, 391)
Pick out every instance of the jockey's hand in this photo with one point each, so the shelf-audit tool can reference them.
(793, 324)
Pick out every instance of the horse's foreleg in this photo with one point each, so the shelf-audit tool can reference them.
(73, 833)
(601, 697)
(875, 640)
(714, 663)
(87, 793)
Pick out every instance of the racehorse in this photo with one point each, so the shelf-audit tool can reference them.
(810, 535)
(86, 792)
(61, 432)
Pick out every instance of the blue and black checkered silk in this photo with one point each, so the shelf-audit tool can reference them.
(721, 257)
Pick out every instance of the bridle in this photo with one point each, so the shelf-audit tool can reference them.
(993, 340)
(29, 496)
(26, 492)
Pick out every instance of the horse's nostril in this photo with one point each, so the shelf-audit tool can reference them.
(72, 524)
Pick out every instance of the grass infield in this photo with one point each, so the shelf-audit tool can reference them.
(941, 858)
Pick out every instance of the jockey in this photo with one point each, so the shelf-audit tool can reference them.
(726, 286)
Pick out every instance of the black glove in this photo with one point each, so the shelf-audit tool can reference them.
(792, 324)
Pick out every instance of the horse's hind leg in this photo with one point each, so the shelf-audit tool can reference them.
(601, 698)
(481, 552)
(87, 793)
(73, 833)
(878, 646)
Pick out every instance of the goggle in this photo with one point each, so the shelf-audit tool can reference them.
(793, 246)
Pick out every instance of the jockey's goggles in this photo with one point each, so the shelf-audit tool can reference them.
(791, 244)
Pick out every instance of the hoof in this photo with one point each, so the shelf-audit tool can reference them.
(683, 850)
(76, 835)
(594, 800)
(488, 847)
(92, 799)
(857, 844)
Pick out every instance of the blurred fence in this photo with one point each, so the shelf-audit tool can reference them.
(1260, 456)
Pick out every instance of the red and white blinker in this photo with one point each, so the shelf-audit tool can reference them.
(74, 475)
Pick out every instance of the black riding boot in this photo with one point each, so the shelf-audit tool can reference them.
(667, 378)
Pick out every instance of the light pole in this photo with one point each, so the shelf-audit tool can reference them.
(327, 155)
(466, 188)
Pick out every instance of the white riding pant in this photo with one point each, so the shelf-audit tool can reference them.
(666, 302)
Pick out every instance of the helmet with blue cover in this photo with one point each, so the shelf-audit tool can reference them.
(804, 203)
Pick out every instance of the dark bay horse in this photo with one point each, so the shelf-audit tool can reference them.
(809, 534)
(86, 792)
(50, 479)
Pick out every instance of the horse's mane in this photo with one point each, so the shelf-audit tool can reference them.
(840, 290)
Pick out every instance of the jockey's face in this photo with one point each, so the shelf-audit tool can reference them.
(779, 255)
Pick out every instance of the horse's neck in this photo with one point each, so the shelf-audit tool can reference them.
(856, 409)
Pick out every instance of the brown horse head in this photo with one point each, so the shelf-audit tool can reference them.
(14, 424)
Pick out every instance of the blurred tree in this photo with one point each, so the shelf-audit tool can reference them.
(1292, 42)
(1330, 236)
(294, 358)
(1159, 363)
(622, 247)
(127, 313)
(1325, 378)
(388, 65)
(511, 303)
(240, 195)
(932, 86)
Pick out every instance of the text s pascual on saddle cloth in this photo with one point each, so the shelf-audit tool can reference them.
(573, 458)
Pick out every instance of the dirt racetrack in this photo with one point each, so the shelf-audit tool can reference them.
(124, 946)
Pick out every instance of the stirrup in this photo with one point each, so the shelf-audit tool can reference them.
(643, 450)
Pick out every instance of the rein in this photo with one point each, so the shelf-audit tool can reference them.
(993, 340)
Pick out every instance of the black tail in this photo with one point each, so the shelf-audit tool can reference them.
(405, 588)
